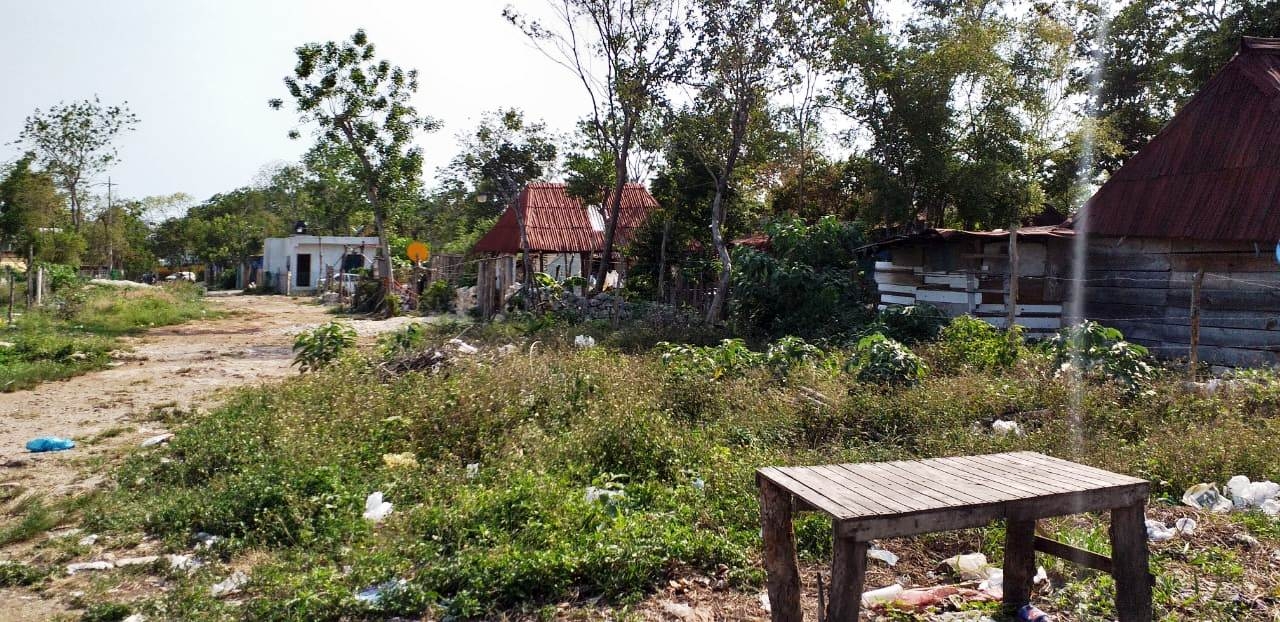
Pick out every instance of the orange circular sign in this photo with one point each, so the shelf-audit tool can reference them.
(417, 252)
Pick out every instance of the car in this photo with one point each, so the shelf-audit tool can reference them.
(345, 282)
(181, 276)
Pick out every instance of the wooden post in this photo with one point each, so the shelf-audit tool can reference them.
(39, 286)
(1019, 563)
(1012, 301)
(1193, 355)
(11, 275)
(1129, 559)
(781, 570)
(848, 571)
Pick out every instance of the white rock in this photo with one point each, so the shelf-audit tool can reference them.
(88, 540)
(1004, 428)
(83, 566)
(158, 439)
(137, 561)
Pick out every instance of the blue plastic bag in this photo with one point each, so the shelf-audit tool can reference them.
(49, 443)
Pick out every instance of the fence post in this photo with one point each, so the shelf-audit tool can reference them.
(1193, 356)
(1012, 302)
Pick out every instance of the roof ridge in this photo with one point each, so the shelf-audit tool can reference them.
(1260, 45)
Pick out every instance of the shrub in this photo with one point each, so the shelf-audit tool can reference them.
(1101, 353)
(731, 358)
(322, 345)
(970, 341)
(784, 354)
(438, 297)
(808, 284)
(912, 323)
(881, 360)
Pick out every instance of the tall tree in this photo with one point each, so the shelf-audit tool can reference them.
(734, 71)
(32, 214)
(75, 142)
(625, 53)
(363, 103)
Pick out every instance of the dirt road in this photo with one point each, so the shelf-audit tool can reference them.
(107, 412)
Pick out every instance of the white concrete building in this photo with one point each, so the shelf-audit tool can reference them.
(299, 262)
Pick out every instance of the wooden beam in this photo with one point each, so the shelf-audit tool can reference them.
(1012, 302)
(848, 571)
(782, 572)
(1019, 563)
(1078, 556)
(1131, 570)
(1193, 355)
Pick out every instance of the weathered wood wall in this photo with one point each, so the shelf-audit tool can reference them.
(971, 276)
(1142, 286)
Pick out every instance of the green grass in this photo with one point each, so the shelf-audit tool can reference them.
(282, 472)
(76, 334)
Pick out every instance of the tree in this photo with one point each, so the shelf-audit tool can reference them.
(363, 103)
(75, 142)
(625, 53)
(734, 65)
(33, 217)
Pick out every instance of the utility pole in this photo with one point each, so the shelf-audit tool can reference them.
(111, 256)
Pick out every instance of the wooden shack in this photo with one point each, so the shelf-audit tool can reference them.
(1202, 198)
(969, 272)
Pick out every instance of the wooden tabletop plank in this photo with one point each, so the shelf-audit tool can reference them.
(885, 500)
(852, 497)
(1091, 471)
(936, 485)
(984, 478)
(1058, 470)
(836, 491)
(943, 481)
(900, 493)
(896, 475)
(810, 496)
(1046, 483)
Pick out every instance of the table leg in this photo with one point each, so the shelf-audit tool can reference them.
(781, 570)
(1019, 563)
(848, 570)
(1131, 568)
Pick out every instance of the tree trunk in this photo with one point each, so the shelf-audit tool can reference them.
(716, 311)
(662, 260)
(615, 208)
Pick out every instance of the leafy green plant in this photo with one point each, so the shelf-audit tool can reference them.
(967, 340)
(411, 337)
(1100, 352)
(438, 297)
(786, 353)
(731, 358)
(321, 346)
(881, 360)
(16, 574)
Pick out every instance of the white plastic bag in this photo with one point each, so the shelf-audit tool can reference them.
(1247, 494)
(1206, 497)
(1158, 531)
(883, 595)
(375, 509)
(971, 567)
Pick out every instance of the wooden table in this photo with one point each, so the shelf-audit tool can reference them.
(891, 499)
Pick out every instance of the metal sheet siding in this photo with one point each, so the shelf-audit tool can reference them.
(1212, 173)
(558, 223)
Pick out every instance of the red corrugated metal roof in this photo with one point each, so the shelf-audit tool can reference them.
(558, 223)
(1212, 173)
(942, 235)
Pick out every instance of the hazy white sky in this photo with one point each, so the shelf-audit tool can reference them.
(199, 74)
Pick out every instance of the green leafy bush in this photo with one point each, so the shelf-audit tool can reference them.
(881, 360)
(808, 284)
(438, 297)
(411, 337)
(788, 352)
(321, 346)
(970, 341)
(729, 359)
(1100, 352)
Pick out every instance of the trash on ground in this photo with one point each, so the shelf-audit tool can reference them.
(137, 617)
(473, 470)
(463, 347)
(965, 616)
(157, 440)
(1005, 428)
(887, 557)
(1041, 576)
(83, 566)
(403, 460)
(1029, 613)
(205, 540)
(764, 602)
(184, 562)
(1157, 531)
(584, 341)
(510, 348)
(698, 484)
(88, 540)
(970, 567)
(1185, 526)
(1271, 507)
(49, 443)
(372, 595)
(230, 585)
(375, 509)
(1247, 494)
(886, 594)
(994, 583)
(1206, 497)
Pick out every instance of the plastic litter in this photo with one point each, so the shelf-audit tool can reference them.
(1005, 428)
(886, 594)
(994, 583)
(183, 562)
(1271, 507)
(49, 443)
(764, 602)
(698, 484)
(606, 495)
(885, 556)
(373, 595)
(83, 566)
(1029, 613)
(88, 540)
(230, 585)
(205, 540)
(1245, 494)
(1041, 576)
(1186, 526)
(473, 470)
(1206, 497)
(375, 509)
(584, 341)
(137, 617)
(157, 440)
(1158, 531)
(970, 567)
(463, 347)
(510, 348)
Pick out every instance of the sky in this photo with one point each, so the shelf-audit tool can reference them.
(198, 73)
